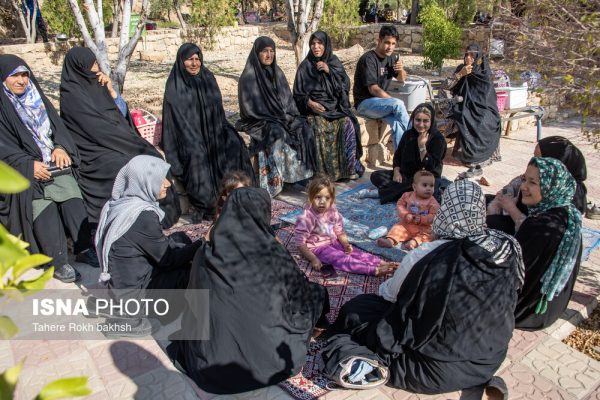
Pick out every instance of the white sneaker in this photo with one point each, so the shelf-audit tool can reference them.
(367, 194)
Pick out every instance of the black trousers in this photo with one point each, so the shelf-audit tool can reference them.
(49, 230)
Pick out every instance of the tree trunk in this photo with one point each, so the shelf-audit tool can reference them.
(414, 10)
(27, 23)
(98, 43)
(115, 18)
(182, 22)
(299, 25)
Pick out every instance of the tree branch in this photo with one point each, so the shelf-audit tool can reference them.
(89, 42)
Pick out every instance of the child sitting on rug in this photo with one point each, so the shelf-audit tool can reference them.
(321, 239)
(416, 210)
(232, 180)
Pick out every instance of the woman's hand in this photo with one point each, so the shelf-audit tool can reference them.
(322, 66)
(466, 70)
(507, 201)
(40, 171)
(104, 80)
(422, 139)
(316, 107)
(60, 158)
(397, 175)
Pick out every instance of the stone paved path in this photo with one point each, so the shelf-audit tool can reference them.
(538, 366)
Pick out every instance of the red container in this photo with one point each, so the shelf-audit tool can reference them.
(501, 100)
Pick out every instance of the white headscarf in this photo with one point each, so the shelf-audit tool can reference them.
(136, 189)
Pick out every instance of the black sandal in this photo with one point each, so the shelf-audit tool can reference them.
(496, 389)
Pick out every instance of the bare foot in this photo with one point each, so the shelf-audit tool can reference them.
(384, 268)
(385, 242)
(411, 244)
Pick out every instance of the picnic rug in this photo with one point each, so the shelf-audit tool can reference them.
(309, 383)
(360, 217)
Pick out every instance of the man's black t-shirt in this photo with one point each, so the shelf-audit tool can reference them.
(371, 70)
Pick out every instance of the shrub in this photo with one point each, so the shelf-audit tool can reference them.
(441, 38)
(60, 18)
(210, 16)
(338, 17)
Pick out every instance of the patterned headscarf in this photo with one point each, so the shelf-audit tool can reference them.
(31, 110)
(136, 189)
(557, 187)
(462, 215)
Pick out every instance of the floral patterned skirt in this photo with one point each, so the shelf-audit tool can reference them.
(280, 164)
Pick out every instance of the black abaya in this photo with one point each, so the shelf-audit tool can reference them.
(408, 158)
(267, 108)
(449, 328)
(477, 115)
(19, 150)
(328, 89)
(105, 139)
(262, 307)
(540, 237)
(199, 142)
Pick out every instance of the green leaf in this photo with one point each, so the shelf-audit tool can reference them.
(28, 262)
(8, 328)
(8, 381)
(10, 251)
(33, 285)
(10, 180)
(67, 387)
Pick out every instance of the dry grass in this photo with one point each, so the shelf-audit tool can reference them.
(586, 338)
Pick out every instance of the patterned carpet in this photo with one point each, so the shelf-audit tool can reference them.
(309, 383)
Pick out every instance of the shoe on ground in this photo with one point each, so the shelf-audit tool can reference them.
(66, 273)
(89, 257)
(367, 194)
(471, 172)
(592, 211)
(495, 389)
(93, 310)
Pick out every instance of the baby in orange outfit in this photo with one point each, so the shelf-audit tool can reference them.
(416, 210)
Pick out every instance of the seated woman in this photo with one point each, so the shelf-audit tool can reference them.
(476, 116)
(558, 147)
(550, 237)
(321, 92)
(134, 252)
(32, 138)
(285, 143)
(199, 142)
(103, 131)
(421, 147)
(448, 325)
(262, 307)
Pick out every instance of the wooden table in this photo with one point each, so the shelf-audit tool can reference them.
(523, 112)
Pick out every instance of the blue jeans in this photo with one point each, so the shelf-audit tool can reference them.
(390, 110)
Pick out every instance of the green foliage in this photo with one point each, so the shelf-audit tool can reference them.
(338, 17)
(209, 16)
(441, 38)
(465, 12)
(67, 387)
(160, 8)
(60, 18)
(15, 262)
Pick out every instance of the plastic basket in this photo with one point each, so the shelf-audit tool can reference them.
(152, 129)
(501, 100)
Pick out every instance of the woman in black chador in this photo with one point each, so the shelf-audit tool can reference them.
(321, 92)
(476, 116)
(447, 326)
(105, 137)
(281, 137)
(32, 137)
(199, 143)
(262, 307)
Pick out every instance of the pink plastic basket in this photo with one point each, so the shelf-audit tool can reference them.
(152, 129)
(501, 100)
